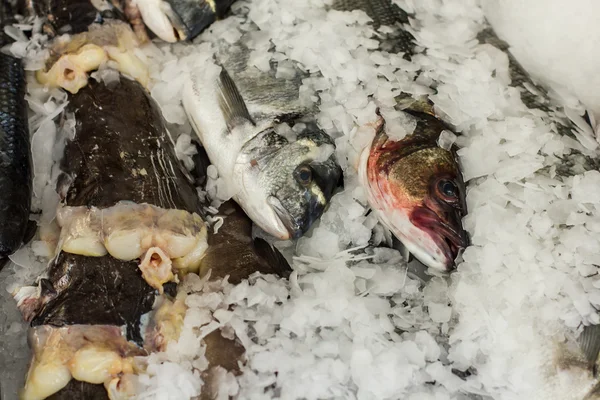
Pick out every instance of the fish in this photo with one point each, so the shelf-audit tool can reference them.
(16, 177)
(282, 183)
(417, 190)
(131, 223)
(414, 186)
(180, 20)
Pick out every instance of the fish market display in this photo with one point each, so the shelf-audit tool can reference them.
(426, 113)
(174, 20)
(283, 186)
(15, 155)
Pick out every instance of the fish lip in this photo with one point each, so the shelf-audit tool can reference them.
(447, 233)
(293, 229)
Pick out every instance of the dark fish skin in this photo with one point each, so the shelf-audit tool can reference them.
(96, 291)
(232, 250)
(15, 156)
(384, 13)
(193, 16)
(122, 151)
(70, 16)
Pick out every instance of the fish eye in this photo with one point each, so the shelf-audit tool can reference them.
(448, 188)
(304, 175)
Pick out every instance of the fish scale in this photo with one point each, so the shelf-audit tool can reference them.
(15, 156)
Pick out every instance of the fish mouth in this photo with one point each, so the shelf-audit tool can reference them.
(445, 230)
(295, 231)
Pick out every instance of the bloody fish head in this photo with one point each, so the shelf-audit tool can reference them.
(418, 191)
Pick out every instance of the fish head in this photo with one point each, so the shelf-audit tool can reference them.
(420, 194)
(178, 20)
(297, 180)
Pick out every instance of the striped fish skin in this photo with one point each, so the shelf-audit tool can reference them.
(15, 156)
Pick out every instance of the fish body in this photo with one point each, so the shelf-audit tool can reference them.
(414, 185)
(283, 185)
(72, 57)
(233, 254)
(15, 155)
(178, 20)
(537, 99)
(122, 189)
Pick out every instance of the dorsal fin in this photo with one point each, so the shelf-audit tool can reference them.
(231, 103)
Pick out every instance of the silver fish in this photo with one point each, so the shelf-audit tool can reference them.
(283, 185)
(177, 20)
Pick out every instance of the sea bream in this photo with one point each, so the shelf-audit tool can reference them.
(15, 153)
(416, 188)
(283, 185)
(413, 185)
(177, 20)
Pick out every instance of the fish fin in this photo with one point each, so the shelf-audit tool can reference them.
(589, 342)
(274, 259)
(231, 103)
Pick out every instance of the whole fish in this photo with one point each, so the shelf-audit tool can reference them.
(15, 154)
(414, 185)
(283, 185)
(178, 20)
(128, 223)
